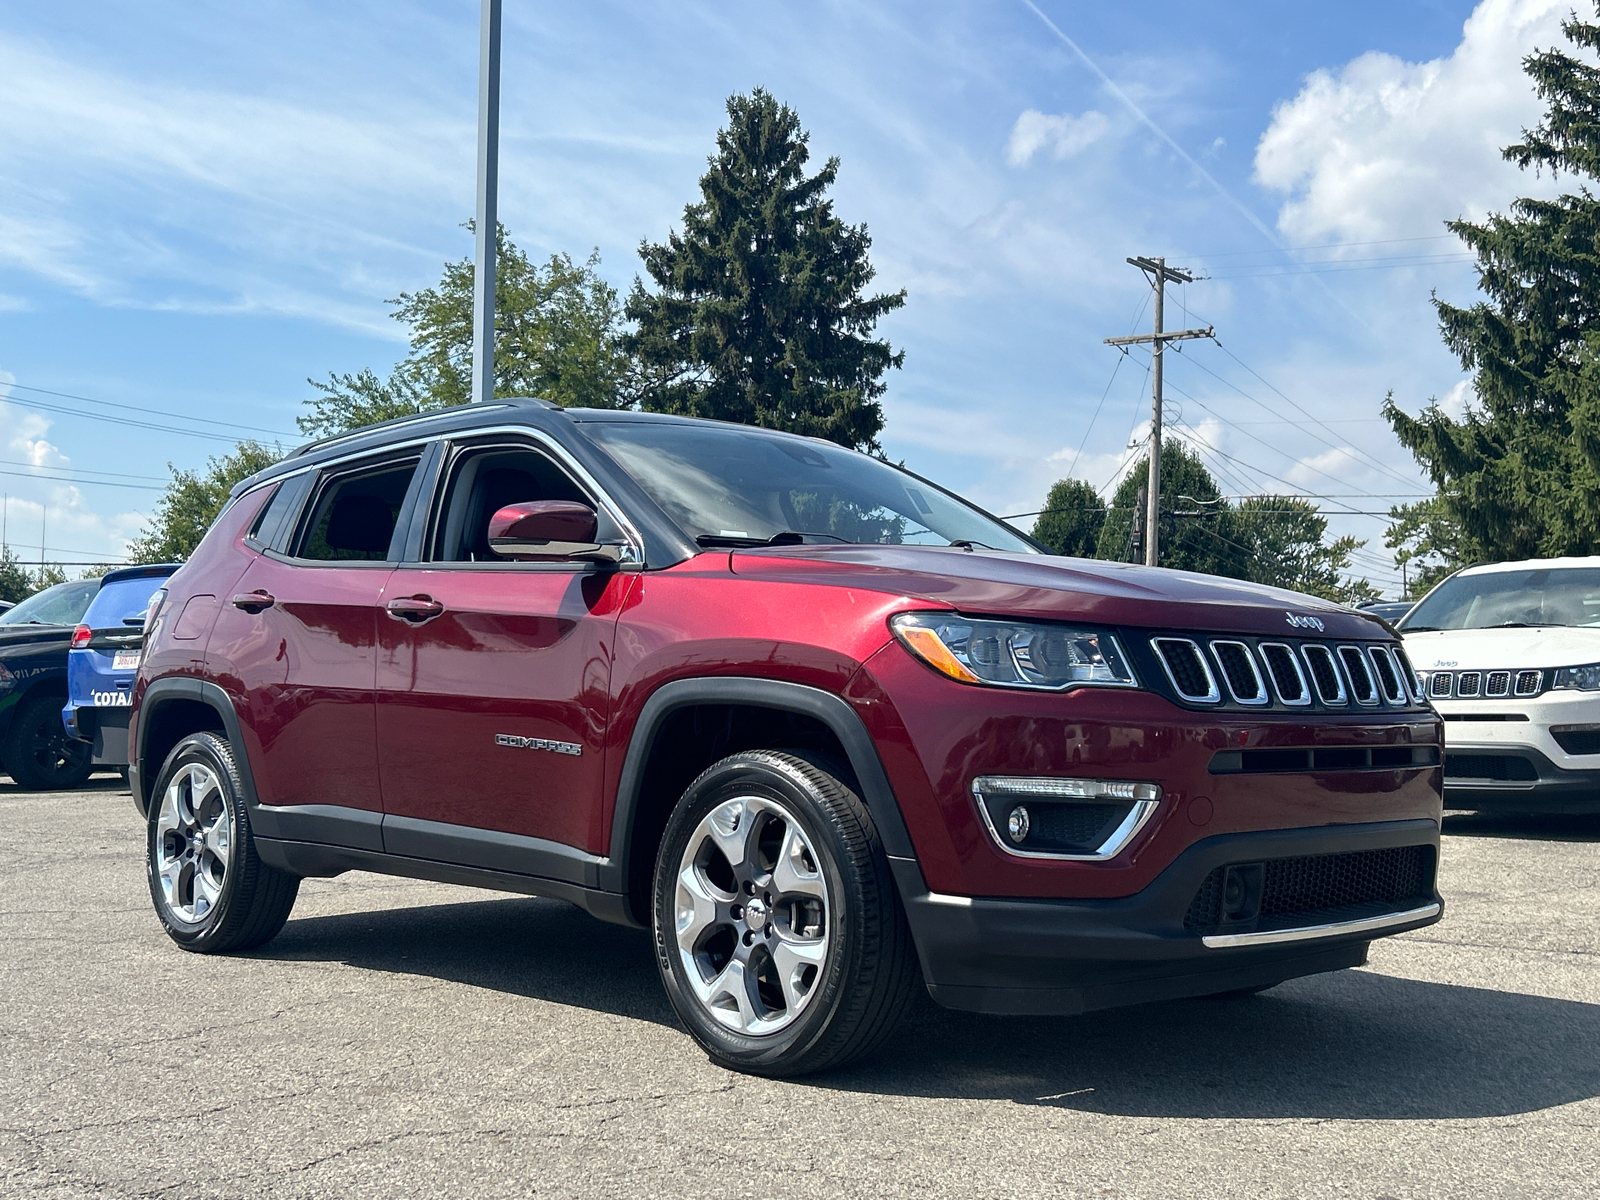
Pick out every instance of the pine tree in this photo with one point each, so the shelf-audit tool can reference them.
(1071, 520)
(759, 314)
(1518, 475)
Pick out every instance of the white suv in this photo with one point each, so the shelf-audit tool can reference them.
(1510, 656)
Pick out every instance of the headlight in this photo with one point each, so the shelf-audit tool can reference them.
(1013, 654)
(1580, 679)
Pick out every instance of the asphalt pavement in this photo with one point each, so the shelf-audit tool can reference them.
(410, 1039)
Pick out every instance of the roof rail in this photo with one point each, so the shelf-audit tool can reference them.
(416, 419)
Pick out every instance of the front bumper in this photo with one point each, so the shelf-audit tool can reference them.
(1504, 776)
(1071, 956)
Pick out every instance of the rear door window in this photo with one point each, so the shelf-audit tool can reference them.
(355, 513)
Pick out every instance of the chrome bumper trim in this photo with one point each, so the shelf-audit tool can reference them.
(1267, 937)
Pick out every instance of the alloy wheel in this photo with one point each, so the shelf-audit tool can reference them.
(753, 915)
(194, 841)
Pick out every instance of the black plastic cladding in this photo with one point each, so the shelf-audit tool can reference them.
(1137, 645)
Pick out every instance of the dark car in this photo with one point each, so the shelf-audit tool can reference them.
(34, 637)
(104, 658)
(825, 728)
(1388, 610)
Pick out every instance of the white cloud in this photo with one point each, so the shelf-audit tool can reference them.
(1386, 148)
(1064, 134)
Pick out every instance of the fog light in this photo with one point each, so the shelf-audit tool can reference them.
(1064, 817)
(1017, 825)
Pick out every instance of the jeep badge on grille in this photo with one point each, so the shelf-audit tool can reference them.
(1302, 622)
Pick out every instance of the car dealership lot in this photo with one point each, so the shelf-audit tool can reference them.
(404, 1038)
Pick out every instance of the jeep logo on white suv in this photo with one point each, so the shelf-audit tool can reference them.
(1300, 622)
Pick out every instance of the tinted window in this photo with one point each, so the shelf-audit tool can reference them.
(59, 605)
(275, 522)
(483, 481)
(353, 519)
(1510, 599)
(730, 485)
(119, 599)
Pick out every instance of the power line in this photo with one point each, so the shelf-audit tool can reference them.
(158, 412)
(1332, 270)
(142, 487)
(1436, 237)
(1371, 459)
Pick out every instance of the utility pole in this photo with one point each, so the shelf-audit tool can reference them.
(1160, 275)
(488, 217)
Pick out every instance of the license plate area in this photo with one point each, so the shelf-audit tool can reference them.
(125, 660)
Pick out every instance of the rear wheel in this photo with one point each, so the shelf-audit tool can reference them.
(38, 753)
(779, 934)
(211, 890)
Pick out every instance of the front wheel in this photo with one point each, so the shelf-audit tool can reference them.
(211, 890)
(779, 934)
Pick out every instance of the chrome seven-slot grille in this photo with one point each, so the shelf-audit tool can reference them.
(1483, 685)
(1260, 673)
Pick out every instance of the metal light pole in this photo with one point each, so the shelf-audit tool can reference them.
(487, 222)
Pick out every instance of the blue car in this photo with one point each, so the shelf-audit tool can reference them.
(104, 659)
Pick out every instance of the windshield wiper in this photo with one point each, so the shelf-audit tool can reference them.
(969, 544)
(787, 537)
(1522, 625)
(1419, 629)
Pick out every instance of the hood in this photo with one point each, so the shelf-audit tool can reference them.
(990, 583)
(1506, 649)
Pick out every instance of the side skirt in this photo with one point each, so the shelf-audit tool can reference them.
(321, 861)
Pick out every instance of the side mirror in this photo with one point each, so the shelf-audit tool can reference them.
(548, 529)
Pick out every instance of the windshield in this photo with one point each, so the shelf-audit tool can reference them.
(1510, 600)
(735, 486)
(59, 605)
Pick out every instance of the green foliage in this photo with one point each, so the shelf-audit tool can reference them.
(1281, 541)
(15, 583)
(759, 314)
(1427, 542)
(49, 575)
(1518, 475)
(1071, 521)
(1186, 544)
(558, 335)
(1284, 542)
(192, 501)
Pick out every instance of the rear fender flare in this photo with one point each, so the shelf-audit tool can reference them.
(158, 695)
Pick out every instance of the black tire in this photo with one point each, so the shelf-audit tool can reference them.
(252, 901)
(38, 753)
(867, 975)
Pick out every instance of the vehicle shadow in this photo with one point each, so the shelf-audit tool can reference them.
(523, 946)
(1535, 828)
(1353, 1045)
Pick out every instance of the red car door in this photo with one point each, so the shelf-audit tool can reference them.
(295, 648)
(493, 678)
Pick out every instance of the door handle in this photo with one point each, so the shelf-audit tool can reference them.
(254, 602)
(415, 609)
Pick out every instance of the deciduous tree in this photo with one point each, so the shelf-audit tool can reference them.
(192, 501)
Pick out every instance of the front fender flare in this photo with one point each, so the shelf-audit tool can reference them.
(833, 711)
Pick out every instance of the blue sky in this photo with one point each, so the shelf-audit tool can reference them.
(203, 204)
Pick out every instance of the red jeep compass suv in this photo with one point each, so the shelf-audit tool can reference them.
(824, 727)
